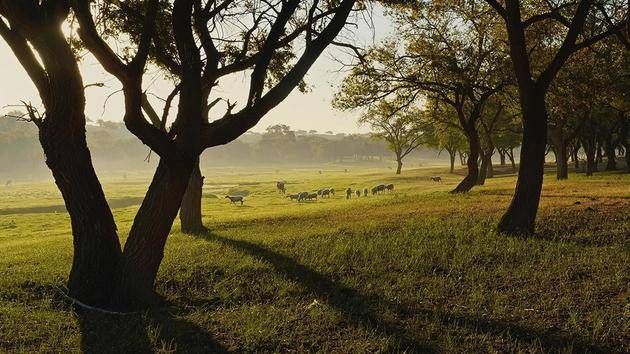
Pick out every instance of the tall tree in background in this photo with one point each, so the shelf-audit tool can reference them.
(460, 66)
(566, 27)
(402, 129)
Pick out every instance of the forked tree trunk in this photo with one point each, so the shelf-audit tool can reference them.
(473, 168)
(521, 214)
(144, 248)
(190, 210)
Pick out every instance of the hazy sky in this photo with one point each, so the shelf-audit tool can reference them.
(301, 111)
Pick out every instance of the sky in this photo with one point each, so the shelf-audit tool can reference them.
(300, 111)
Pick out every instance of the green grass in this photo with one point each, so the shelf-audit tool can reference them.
(416, 270)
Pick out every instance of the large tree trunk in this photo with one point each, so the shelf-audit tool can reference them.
(451, 154)
(473, 168)
(144, 248)
(190, 210)
(96, 245)
(502, 157)
(62, 136)
(521, 214)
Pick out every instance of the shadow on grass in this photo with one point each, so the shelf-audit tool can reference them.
(148, 332)
(360, 309)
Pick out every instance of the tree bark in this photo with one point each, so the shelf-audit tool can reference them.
(473, 168)
(502, 157)
(483, 170)
(560, 150)
(62, 136)
(591, 158)
(144, 248)
(609, 147)
(96, 245)
(511, 156)
(521, 214)
(575, 149)
(451, 154)
(399, 164)
(190, 211)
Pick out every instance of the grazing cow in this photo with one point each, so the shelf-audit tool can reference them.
(293, 196)
(365, 192)
(280, 186)
(358, 192)
(235, 198)
(436, 178)
(348, 193)
(332, 191)
(378, 189)
(326, 193)
(302, 196)
(311, 196)
(390, 187)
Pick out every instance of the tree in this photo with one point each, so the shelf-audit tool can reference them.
(402, 129)
(534, 76)
(102, 273)
(460, 66)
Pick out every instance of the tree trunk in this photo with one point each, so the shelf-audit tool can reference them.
(511, 156)
(490, 168)
(190, 210)
(473, 168)
(144, 248)
(521, 214)
(575, 149)
(483, 170)
(502, 157)
(399, 164)
(452, 156)
(609, 147)
(560, 151)
(95, 240)
(600, 155)
(591, 158)
(96, 252)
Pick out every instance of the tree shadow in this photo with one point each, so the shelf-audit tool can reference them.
(154, 330)
(360, 309)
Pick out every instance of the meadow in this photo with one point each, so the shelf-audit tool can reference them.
(416, 270)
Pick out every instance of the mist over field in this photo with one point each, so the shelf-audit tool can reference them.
(115, 151)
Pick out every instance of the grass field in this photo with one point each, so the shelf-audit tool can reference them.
(416, 270)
